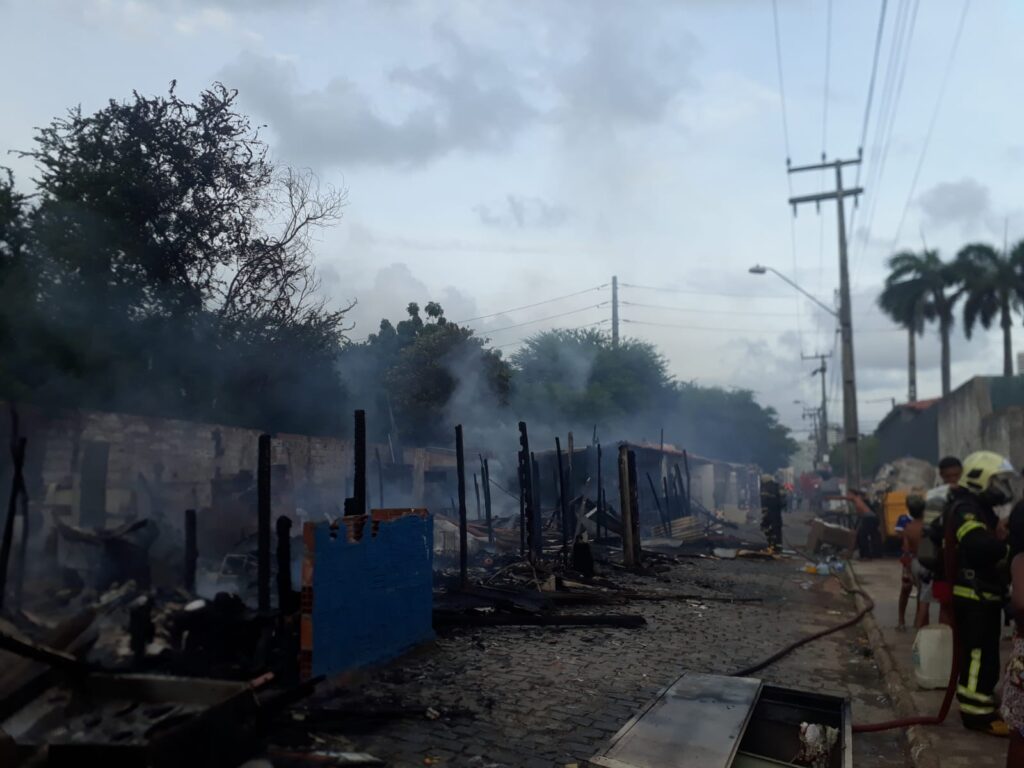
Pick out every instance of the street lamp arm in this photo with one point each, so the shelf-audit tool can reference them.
(759, 269)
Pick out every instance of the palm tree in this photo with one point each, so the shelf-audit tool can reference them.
(904, 302)
(993, 287)
(930, 286)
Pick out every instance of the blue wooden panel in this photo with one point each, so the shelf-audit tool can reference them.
(373, 598)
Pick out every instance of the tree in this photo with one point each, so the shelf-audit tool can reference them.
(579, 376)
(904, 301)
(926, 277)
(432, 373)
(174, 268)
(993, 287)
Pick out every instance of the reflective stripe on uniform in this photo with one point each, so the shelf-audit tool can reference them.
(968, 593)
(974, 669)
(967, 527)
(963, 691)
(971, 709)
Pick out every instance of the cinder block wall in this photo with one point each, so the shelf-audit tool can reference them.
(178, 462)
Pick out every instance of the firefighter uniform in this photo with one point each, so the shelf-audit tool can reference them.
(980, 587)
(772, 503)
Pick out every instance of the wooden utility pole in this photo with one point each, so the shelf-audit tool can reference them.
(851, 429)
(615, 311)
(823, 425)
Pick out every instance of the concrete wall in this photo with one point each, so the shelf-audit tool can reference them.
(160, 467)
(960, 417)
(1003, 432)
(909, 433)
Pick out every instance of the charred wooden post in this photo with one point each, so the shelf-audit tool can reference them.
(485, 471)
(263, 523)
(527, 498)
(563, 499)
(359, 479)
(476, 489)
(600, 488)
(626, 507)
(536, 525)
(665, 522)
(191, 553)
(634, 503)
(284, 565)
(668, 500)
(18, 457)
(460, 462)
(380, 477)
(686, 463)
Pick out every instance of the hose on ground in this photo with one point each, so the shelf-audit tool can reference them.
(869, 606)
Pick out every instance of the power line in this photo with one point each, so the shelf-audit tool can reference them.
(703, 293)
(535, 304)
(704, 311)
(527, 338)
(884, 128)
(867, 107)
(782, 86)
(724, 329)
(828, 69)
(488, 331)
(931, 123)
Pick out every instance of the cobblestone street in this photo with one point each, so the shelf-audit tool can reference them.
(547, 697)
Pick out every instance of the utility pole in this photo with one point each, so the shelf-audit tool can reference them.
(823, 427)
(813, 414)
(615, 311)
(851, 429)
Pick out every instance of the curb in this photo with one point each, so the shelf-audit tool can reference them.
(922, 750)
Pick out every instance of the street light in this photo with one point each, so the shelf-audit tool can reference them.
(760, 269)
(850, 428)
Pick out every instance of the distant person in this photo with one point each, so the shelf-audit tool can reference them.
(1013, 682)
(773, 501)
(869, 525)
(950, 470)
(912, 531)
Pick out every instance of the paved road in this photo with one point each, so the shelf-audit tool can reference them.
(548, 697)
(957, 747)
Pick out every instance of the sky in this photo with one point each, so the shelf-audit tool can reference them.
(501, 153)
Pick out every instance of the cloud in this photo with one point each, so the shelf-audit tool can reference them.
(630, 71)
(966, 202)
(471, 102)
(517, 212)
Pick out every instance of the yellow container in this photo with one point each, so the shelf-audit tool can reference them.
(894, 506)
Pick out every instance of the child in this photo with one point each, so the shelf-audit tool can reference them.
(1013, 685)
(912, 532)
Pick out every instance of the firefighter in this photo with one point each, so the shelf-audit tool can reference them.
(772, 503)
(980, 584)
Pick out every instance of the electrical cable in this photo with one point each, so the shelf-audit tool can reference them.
(931, 124)
(745, 330)
(530, 306)
(785, 297)
(704, 311)
(888, 130)
(487, 331)
(867, 108)
(574, 328)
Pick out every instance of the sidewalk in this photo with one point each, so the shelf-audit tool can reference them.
(955, 746)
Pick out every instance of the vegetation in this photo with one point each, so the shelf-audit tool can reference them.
(993, 288)
(163, 267)
(922, 284)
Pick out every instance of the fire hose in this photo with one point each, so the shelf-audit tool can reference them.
(949, 564)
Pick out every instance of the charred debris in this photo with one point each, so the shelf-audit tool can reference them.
(129, 649)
